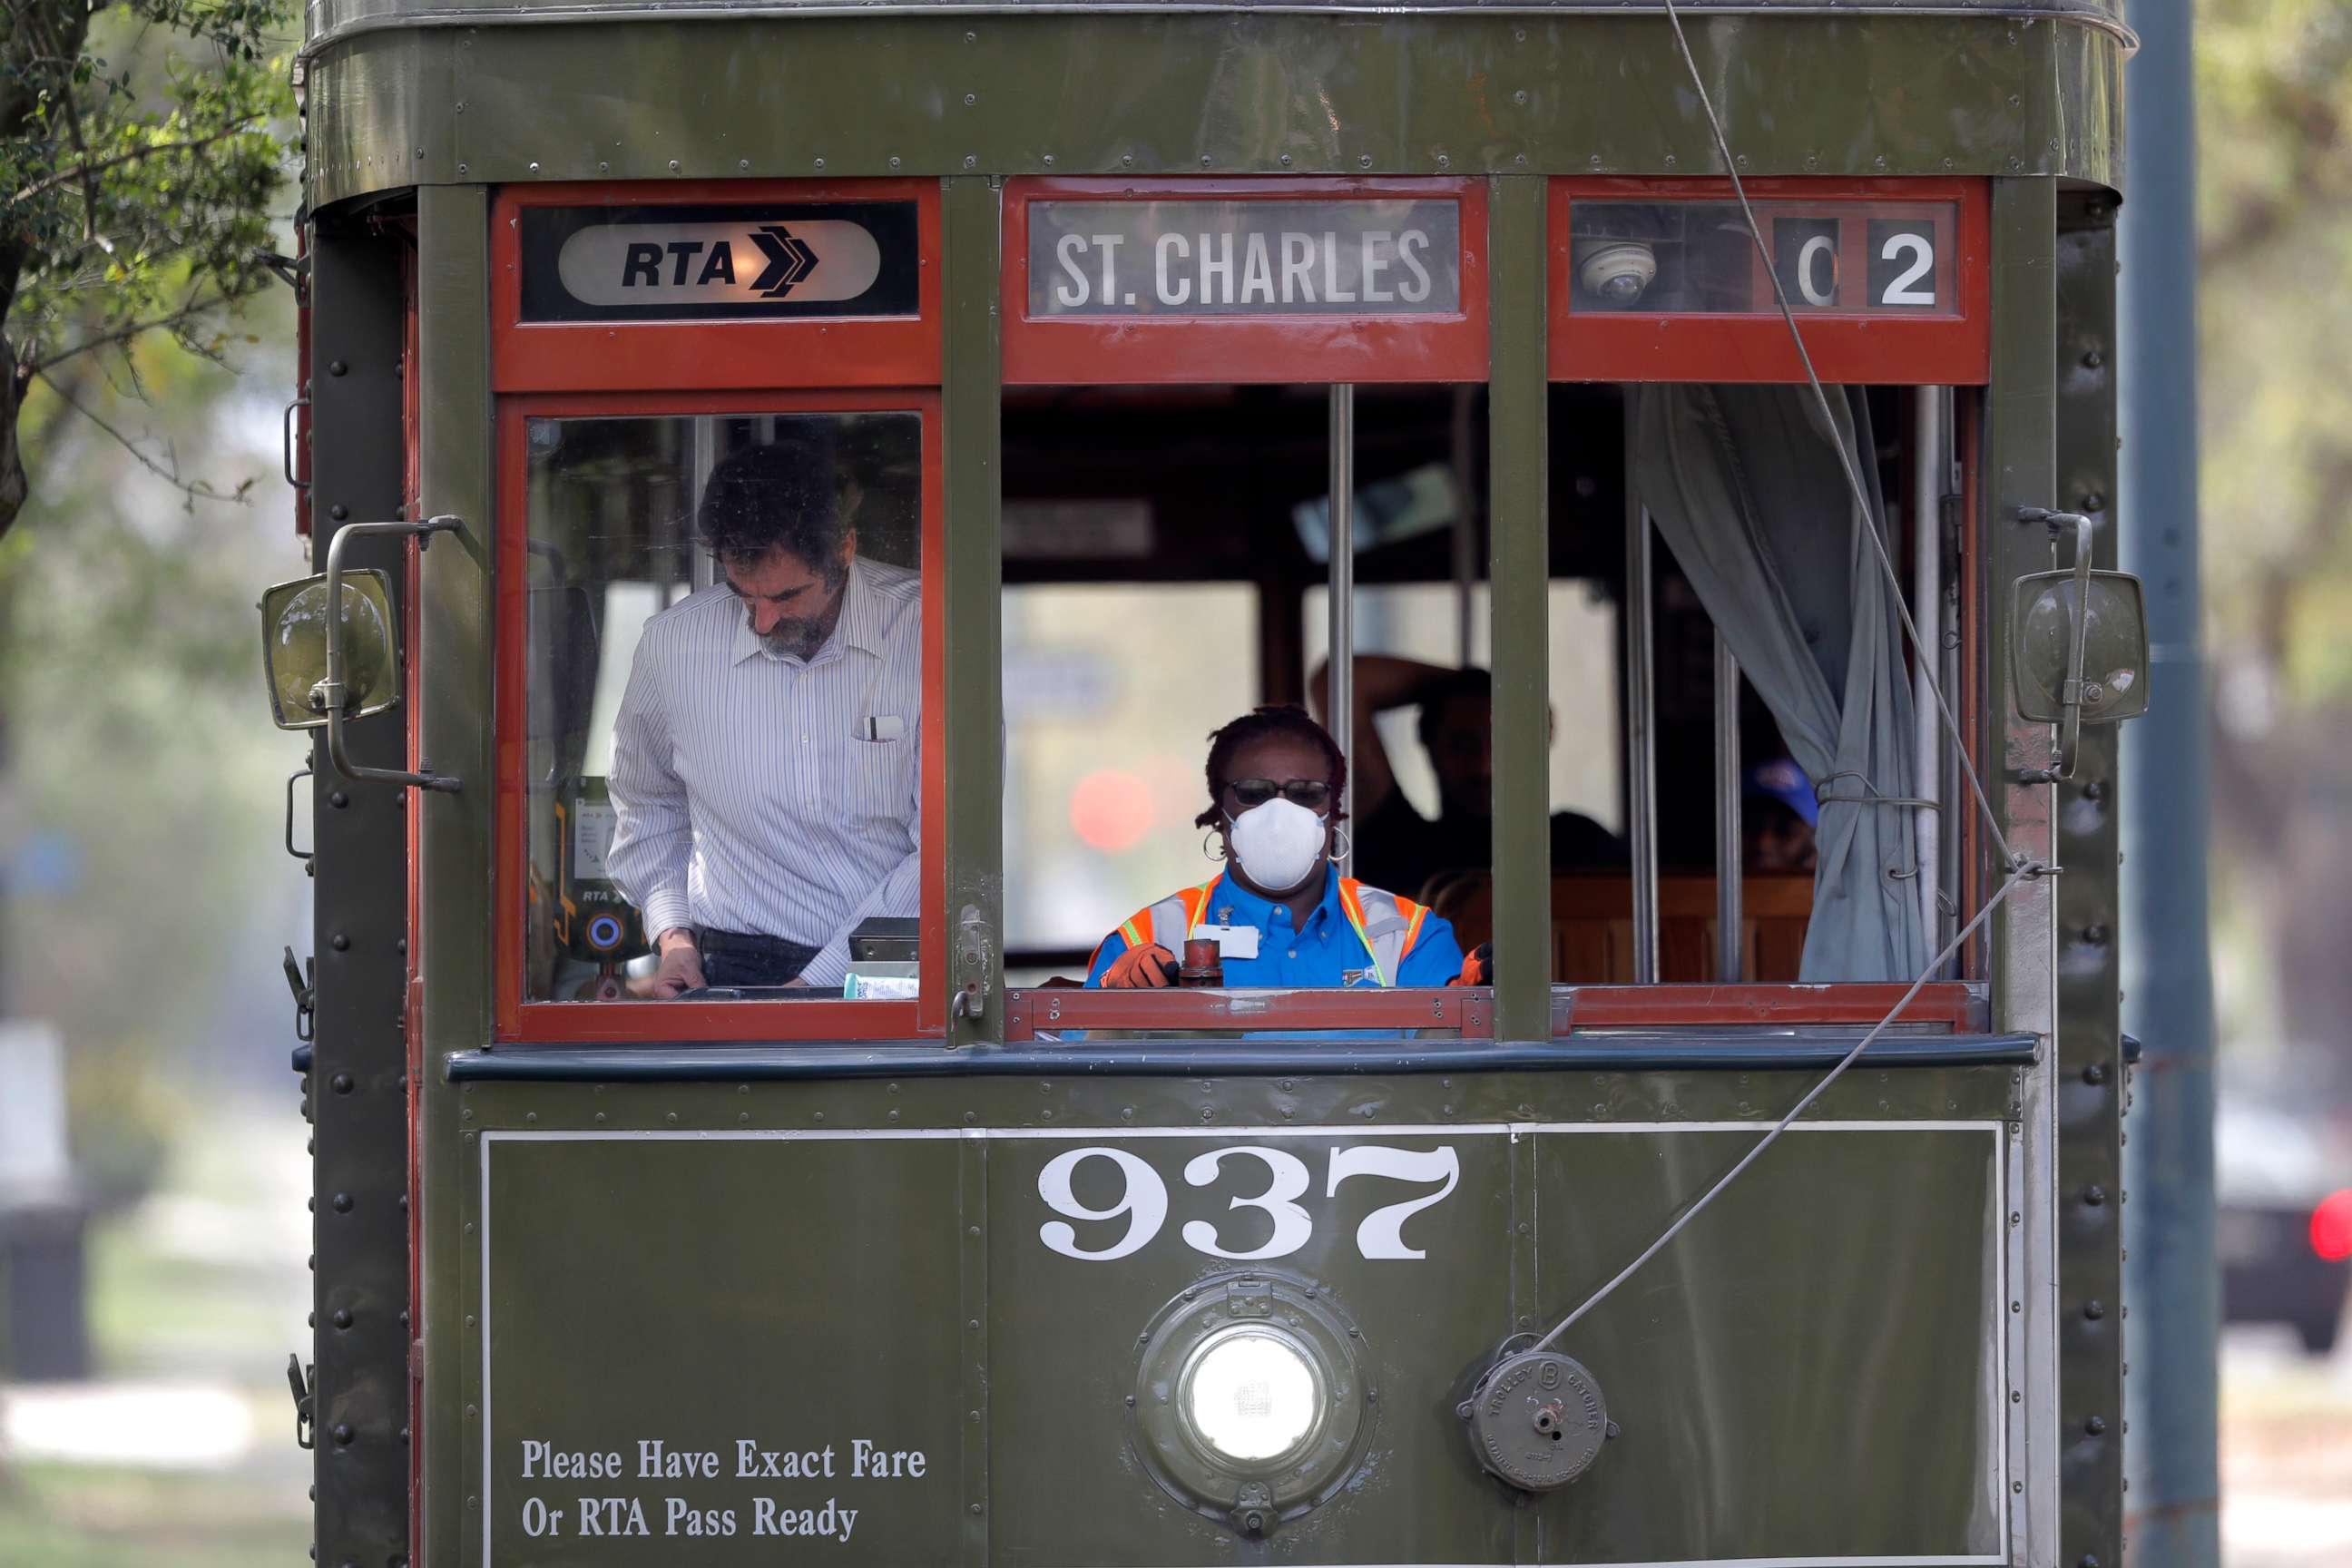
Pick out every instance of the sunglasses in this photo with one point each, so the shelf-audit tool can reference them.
(1314, 794)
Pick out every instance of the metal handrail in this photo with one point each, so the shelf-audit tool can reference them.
(330, 690)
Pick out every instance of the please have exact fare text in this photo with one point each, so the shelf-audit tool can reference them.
(624, 1507)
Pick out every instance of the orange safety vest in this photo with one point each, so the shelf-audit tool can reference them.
(1387, 925)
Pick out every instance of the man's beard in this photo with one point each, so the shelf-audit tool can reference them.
(798, 639)
(800, 636)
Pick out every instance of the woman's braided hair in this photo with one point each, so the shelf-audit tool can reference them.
(1277, 719)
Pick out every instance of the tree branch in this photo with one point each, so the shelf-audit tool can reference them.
(88, 170)
(196, 306)
(193, 489)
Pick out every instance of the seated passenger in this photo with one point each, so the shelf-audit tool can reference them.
(1778, 817)
(766, 781)
(1280, 911)
(1395, 844)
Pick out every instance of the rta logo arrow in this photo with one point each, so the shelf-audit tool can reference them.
(789, 260)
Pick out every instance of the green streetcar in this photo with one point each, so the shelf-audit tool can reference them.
(1733, 383)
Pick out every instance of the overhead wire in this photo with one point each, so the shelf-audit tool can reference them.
(2015, 868)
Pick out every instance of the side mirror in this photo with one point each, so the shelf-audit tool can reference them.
(294, 648)
(2079, 649)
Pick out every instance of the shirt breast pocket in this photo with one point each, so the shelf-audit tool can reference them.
(880, 783)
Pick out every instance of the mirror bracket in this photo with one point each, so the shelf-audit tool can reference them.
(330, 691)
(2070, 692)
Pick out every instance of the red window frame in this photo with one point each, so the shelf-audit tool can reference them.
(1848, 346)
(709, 355)
(517, 1018)
(1237, 350)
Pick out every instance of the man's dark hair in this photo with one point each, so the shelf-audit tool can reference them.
(1265, 723)
(1443, 692)
(785, 494)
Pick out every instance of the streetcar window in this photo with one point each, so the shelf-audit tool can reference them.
(724, 691)
(1102, 771)
(1775, 798)
(1159, 546)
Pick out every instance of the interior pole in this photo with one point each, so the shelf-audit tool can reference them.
(1729, 939)
(1342, 662)
(1641, 719)
(1927, 611)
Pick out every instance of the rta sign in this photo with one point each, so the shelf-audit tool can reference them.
(784, 260)
(594, 264)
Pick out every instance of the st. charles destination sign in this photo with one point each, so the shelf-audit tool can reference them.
(1342, 257)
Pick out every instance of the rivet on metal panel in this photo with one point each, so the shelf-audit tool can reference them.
(343, 1433)
(893, 160)
(818, 1116)
(1670, 160)
(342, 1202)
(534, 168)
(970, 162)
(600, 1116)
(742, 1116)
(2094, 1309)
(673, 165)
(1518, 97)
(2097, 1426)
(820, 165)
(1048, 160)
(339, 512)
(1127, 1113)
(2095, 1195)
(604, 168)
(970, 1117)
(894, 1114)
(974, 1230)
(975, 1508)
(1126, 160)
(1204, 160)
(530, 1116)
(341, 943)
(461, 168)
(1444, 161)
(342, 1082)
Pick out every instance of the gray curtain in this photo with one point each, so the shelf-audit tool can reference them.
(1746, 488)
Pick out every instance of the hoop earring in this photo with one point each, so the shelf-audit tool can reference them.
(1212, 848)
(1347, 845)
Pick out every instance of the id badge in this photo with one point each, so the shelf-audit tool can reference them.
(1232, 942)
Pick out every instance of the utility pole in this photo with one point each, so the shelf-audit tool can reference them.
(2169, 1279)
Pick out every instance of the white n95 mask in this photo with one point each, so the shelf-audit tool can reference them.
(1278, 844)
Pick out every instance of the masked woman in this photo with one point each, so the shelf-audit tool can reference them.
(1279, 909)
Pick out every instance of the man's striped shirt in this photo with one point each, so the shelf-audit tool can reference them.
(759, 793)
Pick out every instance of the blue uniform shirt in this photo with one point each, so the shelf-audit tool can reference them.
(1324, 952)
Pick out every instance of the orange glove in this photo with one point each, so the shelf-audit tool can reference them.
(1478, 969)
(1150, 965)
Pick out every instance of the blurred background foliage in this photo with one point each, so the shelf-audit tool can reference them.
(2275, 242)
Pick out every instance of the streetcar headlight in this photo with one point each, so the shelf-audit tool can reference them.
(1253, 1396)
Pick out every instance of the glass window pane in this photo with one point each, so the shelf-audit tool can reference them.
(724, 706)
(1103, 754)
(1894, 258)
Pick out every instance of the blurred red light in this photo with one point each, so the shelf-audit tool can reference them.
(2331, 1226)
